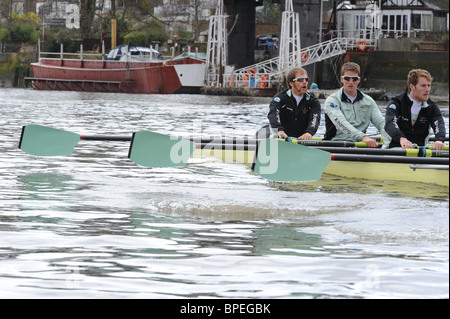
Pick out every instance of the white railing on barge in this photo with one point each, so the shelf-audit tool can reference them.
(82, 55)
(68, 55)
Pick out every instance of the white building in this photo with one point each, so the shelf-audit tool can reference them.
(185, 14)
(397, 18)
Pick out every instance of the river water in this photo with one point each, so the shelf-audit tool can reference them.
(95, 225)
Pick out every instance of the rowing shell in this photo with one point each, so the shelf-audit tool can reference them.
(275, 160)
(433, 174)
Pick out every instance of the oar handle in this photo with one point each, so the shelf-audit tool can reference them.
(202, 140)
(328, 143)
(105, 138)
(378, 151)
(230, 147)
(223, 140)
(252, 141)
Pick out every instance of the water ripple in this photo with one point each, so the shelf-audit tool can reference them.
(95, 225)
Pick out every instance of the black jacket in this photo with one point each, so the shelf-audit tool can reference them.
(293, 119)
(398, 121)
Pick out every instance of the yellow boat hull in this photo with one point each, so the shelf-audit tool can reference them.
(347, 169)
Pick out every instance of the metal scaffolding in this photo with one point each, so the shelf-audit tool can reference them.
(269, 73)
(217, 51)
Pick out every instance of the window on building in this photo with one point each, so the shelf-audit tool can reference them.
(395, 24)
(421, 21)
(398, 23)
(416, 20)
(405, 23)
(426, 22)
(391, 23)
(360, 22)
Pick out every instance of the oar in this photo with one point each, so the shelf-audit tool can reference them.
(330, 143)
(380, 139)
(152, 149)
(284, 161)
(390, 159)
(393, 152)
(281, 161)
(327, 143)
(223, 140)
(275, 159)
(46, 141)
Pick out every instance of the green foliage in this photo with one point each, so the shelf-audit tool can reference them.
(182, 33)
(268, 13)
(4, 34)
(24, 28)
(28, 17)
(54, 39)
(138, 38)
(24, 33)
(147, 32)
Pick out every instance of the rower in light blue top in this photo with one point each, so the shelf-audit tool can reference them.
(349, 112)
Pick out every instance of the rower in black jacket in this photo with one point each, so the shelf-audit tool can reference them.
(409, 116)
(295, 112)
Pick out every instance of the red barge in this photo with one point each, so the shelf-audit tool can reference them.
(127, 69)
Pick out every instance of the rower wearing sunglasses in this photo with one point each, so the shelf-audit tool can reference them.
(295, 112)
(349, 112)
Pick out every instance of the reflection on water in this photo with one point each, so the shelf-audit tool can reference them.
(334, 184)
(42, 186)
(94, 225)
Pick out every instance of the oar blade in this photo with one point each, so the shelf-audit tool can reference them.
(152, 149)
(286, 162)
(46, 141)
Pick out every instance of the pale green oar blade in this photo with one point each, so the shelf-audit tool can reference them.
(286, 162)
(152, 149)
(46, 141)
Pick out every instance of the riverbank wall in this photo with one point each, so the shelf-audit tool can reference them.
(388, 70)
(7, 62)
(14, 66)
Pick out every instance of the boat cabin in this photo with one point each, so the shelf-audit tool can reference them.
(135, 53)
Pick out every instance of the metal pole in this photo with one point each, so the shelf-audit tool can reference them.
(320, 21)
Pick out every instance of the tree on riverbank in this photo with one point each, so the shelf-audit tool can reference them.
(23, 28)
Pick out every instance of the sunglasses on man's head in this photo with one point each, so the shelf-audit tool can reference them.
(352, 78)
(301, 79)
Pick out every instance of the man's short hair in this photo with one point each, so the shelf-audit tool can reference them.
(350, 66)
(414, 75)
(292, 73)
